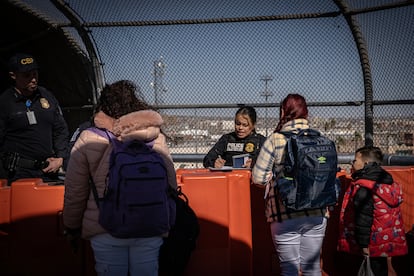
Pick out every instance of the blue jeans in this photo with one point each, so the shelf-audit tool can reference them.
(117, 257)
(298, 243)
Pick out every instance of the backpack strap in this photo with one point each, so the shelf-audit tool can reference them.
(116, 144)
(309, 132)
(289, 153)
(110, 136)
(278, 211)
(102, 132)
(302, 131)
(94, 191)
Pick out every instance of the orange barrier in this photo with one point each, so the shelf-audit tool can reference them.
(405, 176)
(4, 202)
(265, 261)
(35, 244)
(179, 173)
(235, 238)
(31, 197)
(332, 261)
(222, 203)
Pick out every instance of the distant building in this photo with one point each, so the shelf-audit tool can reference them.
(194, 132)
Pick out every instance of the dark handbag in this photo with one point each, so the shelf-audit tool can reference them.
(177, 248)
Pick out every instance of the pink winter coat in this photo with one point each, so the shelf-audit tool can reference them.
(90, 157)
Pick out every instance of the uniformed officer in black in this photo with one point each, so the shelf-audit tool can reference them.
(33, 132)
(243, 140)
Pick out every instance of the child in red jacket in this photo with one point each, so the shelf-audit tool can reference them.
(370, 219)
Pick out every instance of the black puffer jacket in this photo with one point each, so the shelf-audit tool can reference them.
(364, 202)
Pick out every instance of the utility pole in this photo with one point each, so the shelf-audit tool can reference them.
(158, 84)
(266, 93)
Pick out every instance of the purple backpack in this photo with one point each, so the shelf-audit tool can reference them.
(137, 200)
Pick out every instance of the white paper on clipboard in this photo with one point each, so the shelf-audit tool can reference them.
(226, 168)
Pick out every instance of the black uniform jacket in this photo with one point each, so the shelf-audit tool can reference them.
(48, 137)
(229, 145)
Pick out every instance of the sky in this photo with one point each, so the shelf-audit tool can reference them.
(224, 63)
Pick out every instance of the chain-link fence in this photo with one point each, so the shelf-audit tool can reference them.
(197, 61)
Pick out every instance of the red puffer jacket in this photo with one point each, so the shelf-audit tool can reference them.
(387, 233)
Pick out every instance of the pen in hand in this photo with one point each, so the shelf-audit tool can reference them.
(219, 162)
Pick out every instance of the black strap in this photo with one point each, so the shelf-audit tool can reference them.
(106, 134)
(94, 191)
(279, 214)
(276, 197)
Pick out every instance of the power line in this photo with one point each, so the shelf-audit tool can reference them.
(267, 94)
(158, 84)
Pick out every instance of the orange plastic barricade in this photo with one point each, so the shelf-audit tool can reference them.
(31, 197)
(332, 261)
(180, 172)
(265, 262)
(36, 236)
(221, 201)
(4, 202)
(405, 176)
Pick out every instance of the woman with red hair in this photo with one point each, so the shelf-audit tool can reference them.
(297, 235)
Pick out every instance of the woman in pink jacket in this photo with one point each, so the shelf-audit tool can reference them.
(128, 118)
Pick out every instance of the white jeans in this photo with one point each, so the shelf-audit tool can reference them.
(298, 244)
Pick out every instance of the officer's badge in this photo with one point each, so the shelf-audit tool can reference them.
(45, 103)
(249, 147)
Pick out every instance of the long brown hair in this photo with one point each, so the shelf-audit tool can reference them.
(120, 98)
(294, 107)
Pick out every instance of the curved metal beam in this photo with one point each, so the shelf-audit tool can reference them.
(98, 79)
(366, 69)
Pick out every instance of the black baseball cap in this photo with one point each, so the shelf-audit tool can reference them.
(22, 63)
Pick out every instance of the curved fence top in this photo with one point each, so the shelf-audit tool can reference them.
(198, 61)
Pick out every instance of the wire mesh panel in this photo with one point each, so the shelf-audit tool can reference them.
(198, 61)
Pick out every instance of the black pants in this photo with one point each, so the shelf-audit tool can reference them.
(379, 266)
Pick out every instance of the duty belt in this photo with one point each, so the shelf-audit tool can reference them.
(13, 160)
